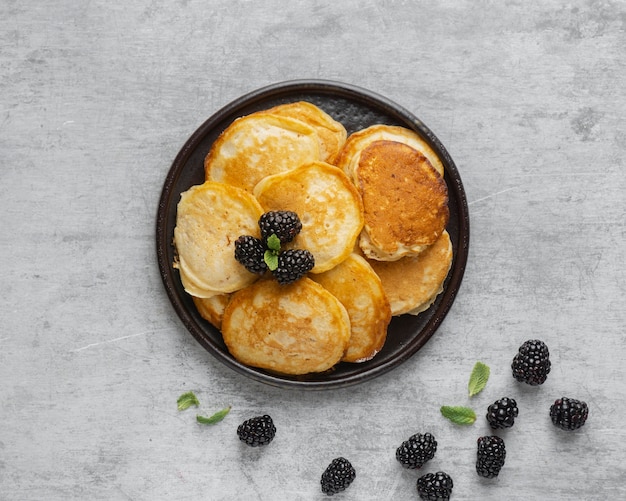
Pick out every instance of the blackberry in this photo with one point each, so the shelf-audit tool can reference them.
(415, 451)
(568, 413)
(257, 431)
(435, 486)
(284, 224)
(338, 476)
(292, 265)
(490, 456)
(531, 365)
(502, 413)
(249, 251)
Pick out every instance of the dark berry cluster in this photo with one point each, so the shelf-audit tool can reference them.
(261, 254)
(490, 456)
(415, 451)
(502, 413)
(249, 251)
(284, 224)
(568, 413)
(532, 364)
(257, 431)
(435, 486)
(338, 476)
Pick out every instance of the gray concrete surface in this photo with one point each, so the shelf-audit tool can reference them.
(96, 99)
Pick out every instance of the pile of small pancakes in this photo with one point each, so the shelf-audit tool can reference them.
(374, 210)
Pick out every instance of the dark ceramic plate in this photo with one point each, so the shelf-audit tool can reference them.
(356, 109)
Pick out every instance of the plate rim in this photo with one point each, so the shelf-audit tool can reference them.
(335, 88)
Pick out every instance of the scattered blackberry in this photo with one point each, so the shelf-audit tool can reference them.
(502, 413)
(338, 476)
(435, 486)
(257, 431)
(490, 456)
(415, 451)
(292, 265)
(249, 252)
(568, 413)
(532, 363)
(284, 224)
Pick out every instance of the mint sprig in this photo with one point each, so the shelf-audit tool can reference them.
(458, 414)
(186, 400)
(478, 379)
(271, 254)
(215, 418)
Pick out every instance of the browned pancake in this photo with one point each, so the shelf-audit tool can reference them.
(258, 145)
(348, 158)
(291, 329)
(404, 198)
(332, 134)
(360, 290)
(411, 284)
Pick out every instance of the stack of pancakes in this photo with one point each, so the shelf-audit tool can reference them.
(373, 206)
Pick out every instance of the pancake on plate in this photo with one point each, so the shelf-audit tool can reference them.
(404, 198)
(258, 145)
(357, 141)
(212, 308)
(412, 284)
(359, 289)
(332, 134)
(328, 205)
(210, 217)
(298, 328)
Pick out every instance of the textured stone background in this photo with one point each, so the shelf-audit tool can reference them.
(96, 99)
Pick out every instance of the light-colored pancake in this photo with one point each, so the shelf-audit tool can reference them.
(332, 134)
(258, 145)
(212, 308)
(359, 289)
(328, 205)
(210, 217)
(291, 329)
(404, 198)
(412, 284)
(348, 158)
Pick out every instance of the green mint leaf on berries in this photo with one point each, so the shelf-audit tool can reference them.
(271, 259)
(186, 400)
(273, 243)
(215, 418)
(478, 379)
(459, 415)
(271, 254)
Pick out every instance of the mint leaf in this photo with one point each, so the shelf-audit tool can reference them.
(459, 415)
(215, 418)
(273, 242)
(271, 259)
(478, 378)
(186, 400)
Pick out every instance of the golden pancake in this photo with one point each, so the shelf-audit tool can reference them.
(359, 289)
(258, 145)
(328, 205)
(332, 134)
(291, 329)
(404, 198)
(210, 217)
(412, 284)
(212, 308)
(348, 158)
